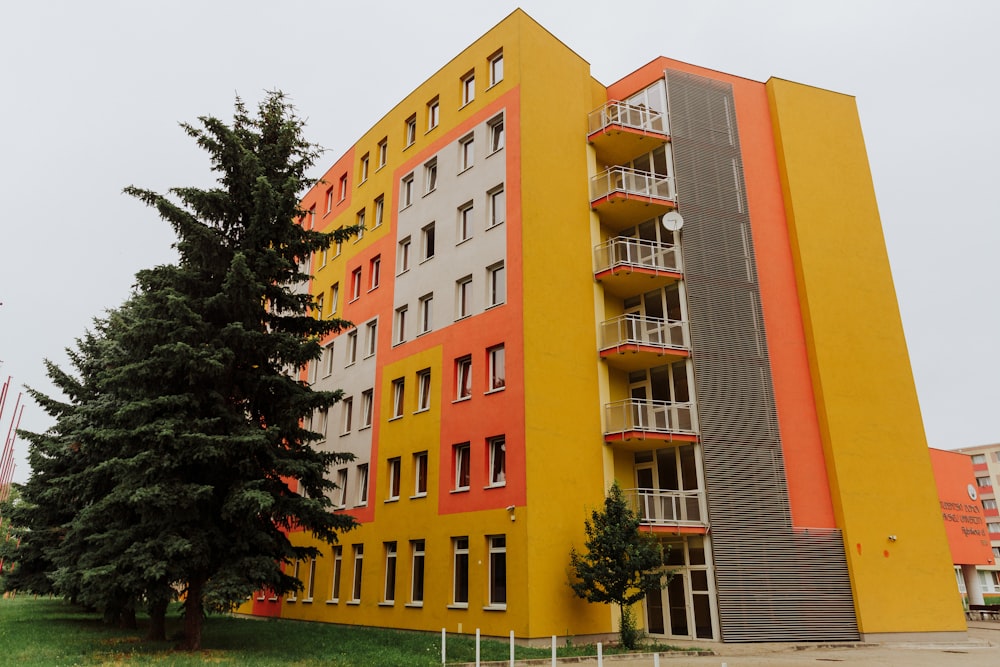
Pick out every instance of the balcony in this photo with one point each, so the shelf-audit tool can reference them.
(674, 509)
(620, 131)
(631, 342)
(625, 197)
(628, 266)
(635, 420)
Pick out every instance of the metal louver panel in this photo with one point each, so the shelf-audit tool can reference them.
(773, 583)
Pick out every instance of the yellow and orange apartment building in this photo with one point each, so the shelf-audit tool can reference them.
(677, 282)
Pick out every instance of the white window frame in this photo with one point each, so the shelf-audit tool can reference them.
(466, 153)
(356, 284)
(364, 168)
(428, 240)
(496, 68)
(398, 397)
(371, 338)
(329, 199)
(426, 313)
(497, 546)
(383, 152)
(496, 284)
(334, 297)
(394, 469)
(367, 407)
(463, 298)
(463, 378)
(403, 255)
(424, 390)
(343, 187)
(342, 488)
(430, 176)
(495, 135)
(497, 206)
(433, 113)
(359, 220)
(328, 364)
(359, 560)
(362, 485)
(375, 272)
(468, 88)
(335, 573)
(497, 446)
(379, 210)
(420, 474)
(411, 131)
(347, 414)
(389, 589)
(406, 191)
(400, 328)
(460, 554)
(310, 582)
(417, 572)
(463, 466)
(466, 221)
(352, 347)
(497, 356)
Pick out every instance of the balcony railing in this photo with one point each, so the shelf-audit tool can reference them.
(660, 507)
(623, 251)
(627, 115)
(646, 331)
(631, 182)
(650, 416)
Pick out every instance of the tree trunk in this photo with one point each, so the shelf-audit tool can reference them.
(158, 620)
(126, 621)
(194, 615)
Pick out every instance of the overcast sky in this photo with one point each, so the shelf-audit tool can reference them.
(93, 92)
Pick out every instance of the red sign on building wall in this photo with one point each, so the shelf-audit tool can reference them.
(961, 509)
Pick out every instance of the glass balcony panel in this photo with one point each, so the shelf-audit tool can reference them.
(637, 253)
(666, 507)
(652, 416)
(631, 182)
(634, 329)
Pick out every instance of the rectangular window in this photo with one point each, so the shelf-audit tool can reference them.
(498, 571)
(498, 284)
(994, 528)
(371, 338)
(356, 284)
(338, 556)
(468, 88)
(433, 114)
(292, 597)
(359, 220)
(334, 297)
(420, 474)
(430, 176)
(496, 68)
(978, 459)
(498, 460)
(329, 199)
(318, 310)
(401, 324)
(320, 422)
(989, 504)
(328, 360)
(340, 245)
(375, 270)
(462, 467)
(312, 216)
(367, 408)
(359, 555)
(311, 371)
(383, 151)
(406, 191)
(343, 187)
(983, 482)
(423, 390)
(464, 297)
(403, 259)
(363, 484)
(411, 130)
(465, 221)
(417, 572)
(310, 581)
(498, 373)
(398, 393)
(427, 234)
(498, 206)
(495, 133)
(363, 171)
(463, 378)
(467, 153)
(352, 347)
(379, 209)
(394, 464)
(348, 413)
(323, 257)
(341, 489)
(390, 572)
(460, 586)
(426, 313)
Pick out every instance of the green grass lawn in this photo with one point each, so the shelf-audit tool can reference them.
(50, 633)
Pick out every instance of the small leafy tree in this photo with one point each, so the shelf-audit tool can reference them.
(621, 563)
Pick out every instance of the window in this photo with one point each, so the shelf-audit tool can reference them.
(498, 284)
(430, 175)
(978, 459)
(383, 151)
(426, 313)
(334, 297)
(379, 209)
(465, 222)
(343, 187)
(359, 220)
(433, 114)
(328, 360)
(464, 289)
(496, 134)
(420, 474)
(498, 373)
(463, 378)
(318, 310)
(996, 552)
(329, 199)
(341, 488)
(466, 153)
(411, 130)
(417, 572)
(312, 216)
(423, 390)
(394, 478)
(461, 453)
(460, 586)
(401, 324)
(403, 259)
(498, 206)
(311, 370)
(311, 581)
(363, 172)
(428, 242)
(359, 555)
(338, 555)
(498, 571)
(356, 283)
(983, 482)
(292, 597)
(406, 191)
(371, 338)
(498, 460)
(994, 528)
(323, 257)
(320, 422)
(367, 408)
(398, 392)
(363, 484)
(989, 504)
(375, 270)
(348, 404)
(340, 245)
(496, 68)
(468, 88)
(352, 347)
(390, 572)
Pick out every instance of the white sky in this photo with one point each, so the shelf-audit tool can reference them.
(93, 92)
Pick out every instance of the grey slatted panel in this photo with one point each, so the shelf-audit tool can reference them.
(773, 583)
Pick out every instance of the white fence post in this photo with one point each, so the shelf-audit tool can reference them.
(477, 647)
(511, 648)
(600, 655)
(656, 660)
(443, 640)
(553, 651)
